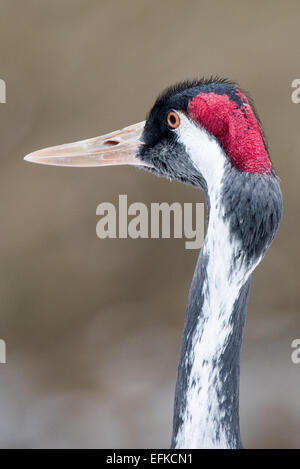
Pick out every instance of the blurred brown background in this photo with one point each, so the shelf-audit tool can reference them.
(93, 326)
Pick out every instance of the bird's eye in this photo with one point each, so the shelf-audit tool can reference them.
(173, 120)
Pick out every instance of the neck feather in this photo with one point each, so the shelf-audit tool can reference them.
(244, 215)
(207, 390)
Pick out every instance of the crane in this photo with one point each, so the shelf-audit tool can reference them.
(205, 133)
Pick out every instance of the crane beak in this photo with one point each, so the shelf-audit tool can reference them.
(115, 148)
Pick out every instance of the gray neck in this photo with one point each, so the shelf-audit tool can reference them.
(206, 413)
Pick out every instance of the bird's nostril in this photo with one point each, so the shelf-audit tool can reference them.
(111, 142)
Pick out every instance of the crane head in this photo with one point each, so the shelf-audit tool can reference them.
(194, 130)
